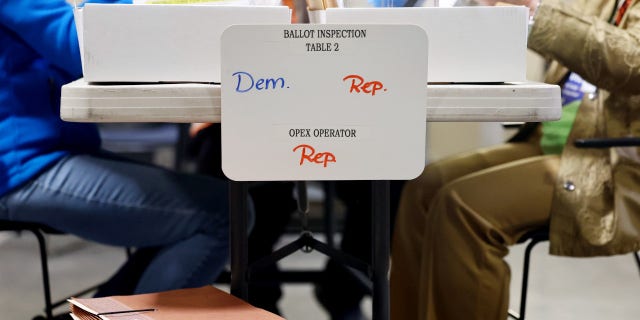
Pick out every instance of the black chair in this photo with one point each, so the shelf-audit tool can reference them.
(538, 236)
(136, 141)
(533, 238)
(40, 231)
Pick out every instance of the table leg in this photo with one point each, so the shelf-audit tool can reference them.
(239, 238)
(381, 248)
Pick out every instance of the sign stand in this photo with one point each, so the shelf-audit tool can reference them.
(239, 237)
(323, 102)
(377, 272)
(380, 237)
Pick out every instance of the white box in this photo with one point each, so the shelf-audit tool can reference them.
(466, 44)
(161, 43)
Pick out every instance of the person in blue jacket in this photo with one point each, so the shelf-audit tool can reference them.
(54, 172)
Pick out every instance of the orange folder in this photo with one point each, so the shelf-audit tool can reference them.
(193, 304)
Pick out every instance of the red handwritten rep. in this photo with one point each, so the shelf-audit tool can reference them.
(308, 153)
(358, 85)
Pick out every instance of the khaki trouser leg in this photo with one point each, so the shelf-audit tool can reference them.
(442, 246)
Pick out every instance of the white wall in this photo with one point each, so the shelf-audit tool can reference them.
(446, 138)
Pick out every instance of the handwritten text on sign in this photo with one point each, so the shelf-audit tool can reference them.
(323, 102)
(246, 82)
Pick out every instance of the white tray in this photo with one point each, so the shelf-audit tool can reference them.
(200, 102)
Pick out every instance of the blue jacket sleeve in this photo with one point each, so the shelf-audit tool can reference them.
(47, 26)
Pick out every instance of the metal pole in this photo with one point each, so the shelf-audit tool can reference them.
(329, 220)
(238, 220)
(381, 252)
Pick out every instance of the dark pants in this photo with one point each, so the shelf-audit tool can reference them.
(339, 290)
(273, 203)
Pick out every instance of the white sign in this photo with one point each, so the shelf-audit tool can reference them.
(323, 102)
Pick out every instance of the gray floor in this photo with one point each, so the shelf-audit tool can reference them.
(561, 288)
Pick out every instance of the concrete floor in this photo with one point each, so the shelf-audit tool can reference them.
(561, 288)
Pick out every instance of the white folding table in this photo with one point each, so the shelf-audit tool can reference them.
(200, 102)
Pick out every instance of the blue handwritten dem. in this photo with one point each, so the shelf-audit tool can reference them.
(245, 82)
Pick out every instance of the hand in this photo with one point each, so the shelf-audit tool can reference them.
(194, 128)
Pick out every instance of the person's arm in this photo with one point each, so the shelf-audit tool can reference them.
(603, 54)
(48, 27)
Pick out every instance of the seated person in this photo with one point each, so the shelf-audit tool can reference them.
(339, 292)
(456, 221)
(54, 172)
(273, 203)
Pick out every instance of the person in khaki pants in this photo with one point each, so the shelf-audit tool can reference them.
(456, 221)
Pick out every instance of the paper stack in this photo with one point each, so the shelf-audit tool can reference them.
(193, 304)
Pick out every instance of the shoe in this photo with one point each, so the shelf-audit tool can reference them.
(350, 314)
(353, 312)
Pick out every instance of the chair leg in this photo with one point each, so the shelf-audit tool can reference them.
(525, 279)
(525, 275)
(535, 239)
(44, 262)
